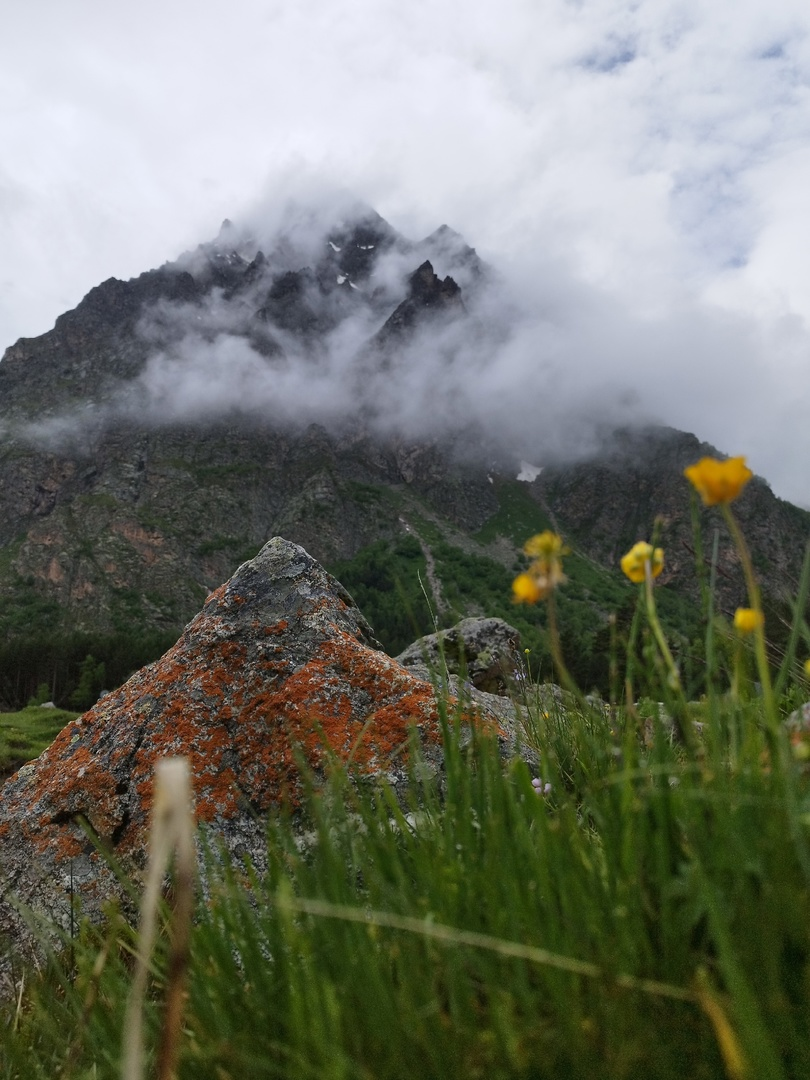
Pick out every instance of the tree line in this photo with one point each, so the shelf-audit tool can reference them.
(72, 670)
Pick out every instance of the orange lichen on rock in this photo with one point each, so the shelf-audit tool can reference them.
(217, 595)
(349, 701)
(273, 672)
(71, 788)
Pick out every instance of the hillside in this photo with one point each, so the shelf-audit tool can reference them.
(259, 386)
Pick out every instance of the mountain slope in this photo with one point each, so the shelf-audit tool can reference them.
(260, 386)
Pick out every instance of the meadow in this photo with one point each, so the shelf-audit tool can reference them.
(627, 897)
(26, 733)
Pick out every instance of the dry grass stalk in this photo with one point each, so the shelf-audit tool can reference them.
(172, 834)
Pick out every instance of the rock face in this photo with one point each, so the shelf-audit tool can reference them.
(119, 512)
(278, 662)
(486, 651)
(427, 293)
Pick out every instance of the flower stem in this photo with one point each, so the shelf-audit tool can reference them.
(755, 601)
(681, 718)
(556, 652)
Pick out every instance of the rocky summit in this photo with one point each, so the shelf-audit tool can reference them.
(278, 663)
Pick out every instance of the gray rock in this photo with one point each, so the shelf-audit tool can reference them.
(799, 720)
(486, 652)
(278, 664)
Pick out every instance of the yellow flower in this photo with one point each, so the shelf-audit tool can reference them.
(718, 481)
(545, 545)
(638, 557)
(747, 619)
(545, 572)
(524, 590)
(807, 668)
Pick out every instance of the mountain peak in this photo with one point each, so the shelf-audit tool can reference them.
(428, 290)
(429, 298)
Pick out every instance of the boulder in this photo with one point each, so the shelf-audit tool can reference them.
(279, 663)
(484, 651)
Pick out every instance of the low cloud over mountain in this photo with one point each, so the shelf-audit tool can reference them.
(320, 315)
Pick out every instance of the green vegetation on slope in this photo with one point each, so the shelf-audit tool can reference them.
(25, 734)
(476, 583)
(25, 612)
(518, 515)
(384, 581)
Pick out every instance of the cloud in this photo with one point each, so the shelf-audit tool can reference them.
(543, 381)
(636, 171)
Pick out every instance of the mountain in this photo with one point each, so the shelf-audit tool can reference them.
(304, 381)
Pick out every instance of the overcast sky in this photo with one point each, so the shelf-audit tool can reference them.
(640, 172)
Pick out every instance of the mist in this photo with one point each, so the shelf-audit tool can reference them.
(538, 363)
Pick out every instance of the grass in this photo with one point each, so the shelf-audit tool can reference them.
(612, 902)
(25, 734)
(649, 916)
